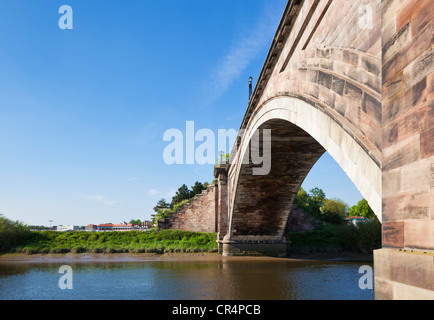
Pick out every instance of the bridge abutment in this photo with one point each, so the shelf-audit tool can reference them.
(402, 274)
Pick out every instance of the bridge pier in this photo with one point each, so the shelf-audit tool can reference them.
(272, 248)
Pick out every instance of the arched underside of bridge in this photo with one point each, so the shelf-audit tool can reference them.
(300, 134)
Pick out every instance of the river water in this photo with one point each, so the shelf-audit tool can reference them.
(195, 278)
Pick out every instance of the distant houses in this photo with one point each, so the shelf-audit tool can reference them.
(355, 220)
(91, 227)
(68, 228)
(145, 226)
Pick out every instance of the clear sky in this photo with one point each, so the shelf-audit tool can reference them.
(83, 111)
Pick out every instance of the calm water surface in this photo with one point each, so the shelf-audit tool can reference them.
(221, 279)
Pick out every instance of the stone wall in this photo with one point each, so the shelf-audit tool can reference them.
(198, 215)
(300, 221)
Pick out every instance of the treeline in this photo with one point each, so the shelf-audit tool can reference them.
(316, 204)
(181, 197)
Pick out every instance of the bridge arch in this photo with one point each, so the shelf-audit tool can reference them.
(364, 94)
(301, 133)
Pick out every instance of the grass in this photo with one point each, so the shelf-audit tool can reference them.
(167, 241)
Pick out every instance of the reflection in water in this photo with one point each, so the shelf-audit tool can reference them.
(224, 279)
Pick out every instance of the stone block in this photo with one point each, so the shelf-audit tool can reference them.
(340, 105)
(351, 57)
(402, 153)
(400, 104)
(372, 107)
(392, 181)
(395, 85)
(427, 143)
(417, 176)
(338, 85)
(411, 123)
(325, 79)
(393, 234)
(395, 43)
(419, 234)
(353, 92)
(371, 64)
(407, 205)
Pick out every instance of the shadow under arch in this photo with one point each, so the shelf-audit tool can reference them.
(259, 206)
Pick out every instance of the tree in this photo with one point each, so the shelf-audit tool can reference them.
(137, 222)
(317, 195)
(161, 214)
(315, 201)
(362, 209)
(311, 202)
(161, 204)
(197, 188)
(183, 193)
(12, 233)
(301, 198)
(334, 211)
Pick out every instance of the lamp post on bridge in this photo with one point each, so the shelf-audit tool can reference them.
(250, 87)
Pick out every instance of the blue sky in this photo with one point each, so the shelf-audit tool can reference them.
(83, 111)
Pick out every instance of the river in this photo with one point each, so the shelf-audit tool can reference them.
(179, 277)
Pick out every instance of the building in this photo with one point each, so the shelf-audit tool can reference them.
(105, 227)
(147, 225)
(356, 220)
(125, 227)
(68, 228)
(91, 227)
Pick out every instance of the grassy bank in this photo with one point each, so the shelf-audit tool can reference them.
(336, 239)
(117, 242)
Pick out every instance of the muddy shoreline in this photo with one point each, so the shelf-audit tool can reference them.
(151, 257)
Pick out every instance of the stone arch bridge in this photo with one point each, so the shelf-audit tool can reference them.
(354, 78)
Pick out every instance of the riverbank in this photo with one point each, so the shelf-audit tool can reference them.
(335, 243)
(133, 242)
(153, 257)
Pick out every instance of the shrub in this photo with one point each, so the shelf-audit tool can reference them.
(363, 238)
(78, 250)
(12, 233)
